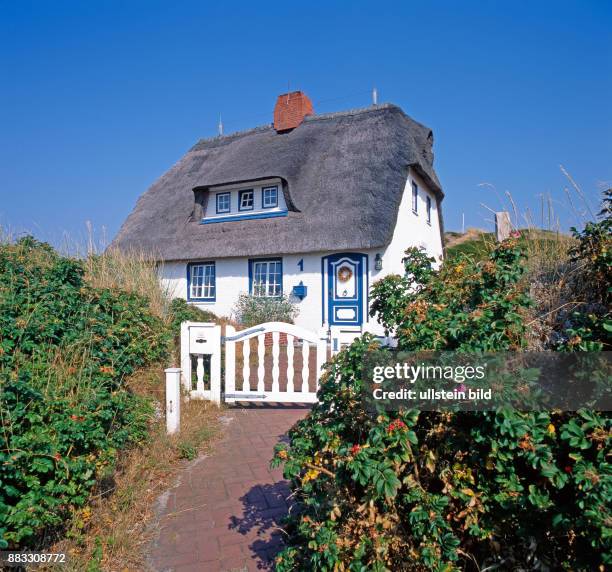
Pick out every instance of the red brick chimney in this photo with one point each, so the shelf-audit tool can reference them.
(290, 110)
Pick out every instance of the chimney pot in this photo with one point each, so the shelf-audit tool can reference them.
(290, 110)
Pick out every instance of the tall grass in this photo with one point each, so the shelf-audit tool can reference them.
(554, 280)
(134, 271)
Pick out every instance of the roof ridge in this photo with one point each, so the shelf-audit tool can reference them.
(308, 118)
(232, 135)
(349, 112)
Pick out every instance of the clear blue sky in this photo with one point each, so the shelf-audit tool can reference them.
(99, 98)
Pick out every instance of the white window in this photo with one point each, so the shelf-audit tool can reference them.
(269, 197)
(415, 198)
(428, 210)
(267, 278)
(223, 202)
(246, 200)
(202, 281)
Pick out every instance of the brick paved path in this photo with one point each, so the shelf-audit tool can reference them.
(224, 513)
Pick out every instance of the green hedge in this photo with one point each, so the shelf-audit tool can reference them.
(65, 352)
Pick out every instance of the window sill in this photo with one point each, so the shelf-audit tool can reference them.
(232, 218)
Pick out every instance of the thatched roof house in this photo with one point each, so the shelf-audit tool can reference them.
(341, 180)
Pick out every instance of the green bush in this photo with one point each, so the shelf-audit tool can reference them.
(66, 350)
(252, 310)
(468, 306)
(589, 327)
(181, 311)
(445, 491)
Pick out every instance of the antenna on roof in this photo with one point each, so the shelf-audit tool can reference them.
(374, 96)
(220, 126)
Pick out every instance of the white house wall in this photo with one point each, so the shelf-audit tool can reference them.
(232, 273)
(412, 229)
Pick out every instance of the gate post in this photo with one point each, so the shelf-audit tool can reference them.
(173, 400)
(230, 363)
(215, 365)
(185, 358)
(321, 352)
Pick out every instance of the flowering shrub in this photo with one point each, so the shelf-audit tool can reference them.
(465, 306)
(65, 352)
(445, 491)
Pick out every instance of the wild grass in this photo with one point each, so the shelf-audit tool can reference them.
(136, 272)
(552, 277)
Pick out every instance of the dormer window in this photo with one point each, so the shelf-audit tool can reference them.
(241, 201)
(269, 197)
(224, 202)
(246, 200)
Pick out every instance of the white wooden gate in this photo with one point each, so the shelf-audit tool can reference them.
(256, 381)
(296, 389)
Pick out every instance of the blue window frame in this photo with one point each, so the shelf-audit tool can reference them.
(415, 198)
(266, 277)
(428, 210)
(246, 200)
(269, 197)
(224, 204)
(201, 281)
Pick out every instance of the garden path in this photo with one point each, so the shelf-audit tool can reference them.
(224, 513)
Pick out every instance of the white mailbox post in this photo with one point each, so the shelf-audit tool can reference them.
(201, 339)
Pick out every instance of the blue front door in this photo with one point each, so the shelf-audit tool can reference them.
(345, 289)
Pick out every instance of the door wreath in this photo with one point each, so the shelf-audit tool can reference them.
(345, 274)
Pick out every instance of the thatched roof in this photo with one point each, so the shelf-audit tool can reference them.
(343, 177)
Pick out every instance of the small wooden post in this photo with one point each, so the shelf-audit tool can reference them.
(185, 358)
(230, 363)
(290, 368)
(215, 365)
(275, 360)
(502, 225)
(261, 370)
(173, 400)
